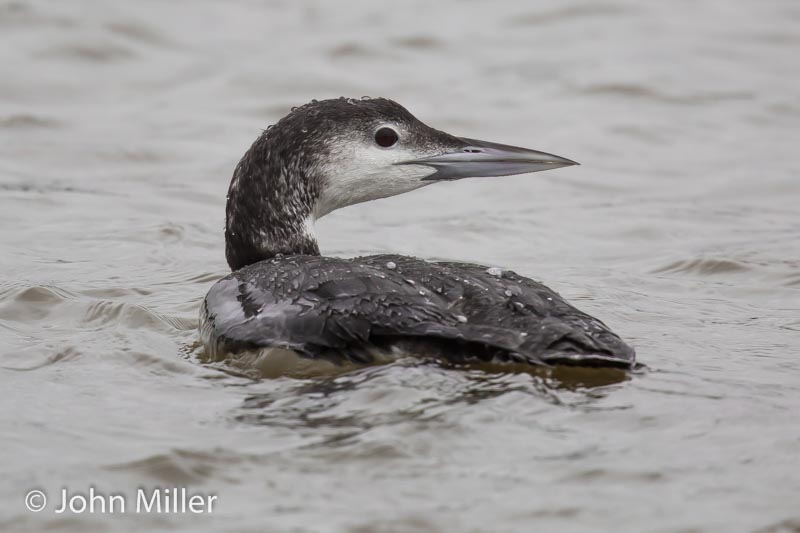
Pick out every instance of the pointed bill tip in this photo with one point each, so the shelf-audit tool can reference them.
(486, 159)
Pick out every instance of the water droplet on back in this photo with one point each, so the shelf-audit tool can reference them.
(494, 271)
(391, 265)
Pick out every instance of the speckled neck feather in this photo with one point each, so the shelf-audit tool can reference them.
(271, 196)
(277, 184)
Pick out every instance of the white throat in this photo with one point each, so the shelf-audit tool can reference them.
(359, 171)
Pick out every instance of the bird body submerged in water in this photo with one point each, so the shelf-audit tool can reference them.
(283, 295)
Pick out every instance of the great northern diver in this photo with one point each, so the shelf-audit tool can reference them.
(282, 295)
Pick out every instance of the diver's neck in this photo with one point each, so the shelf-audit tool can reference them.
(269, 211)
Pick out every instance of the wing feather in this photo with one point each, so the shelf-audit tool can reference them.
(340, 308)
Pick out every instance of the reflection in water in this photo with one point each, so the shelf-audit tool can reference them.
(276, 363)
(421, 390)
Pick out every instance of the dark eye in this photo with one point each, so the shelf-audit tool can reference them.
(386, 137)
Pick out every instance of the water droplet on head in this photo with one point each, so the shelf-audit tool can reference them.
(391, 265)
(411, 281)
(495, 271)
(461, 318)
(293, 109)
(422, 293)
(549, 299)
(508, 293)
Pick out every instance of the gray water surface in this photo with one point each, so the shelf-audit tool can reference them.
(120, 125)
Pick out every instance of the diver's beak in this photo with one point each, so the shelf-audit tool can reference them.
(482, 158)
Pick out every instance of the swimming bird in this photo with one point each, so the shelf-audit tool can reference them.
(283, 295)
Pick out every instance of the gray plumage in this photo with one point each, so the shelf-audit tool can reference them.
(284, 295)
(345, 309)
